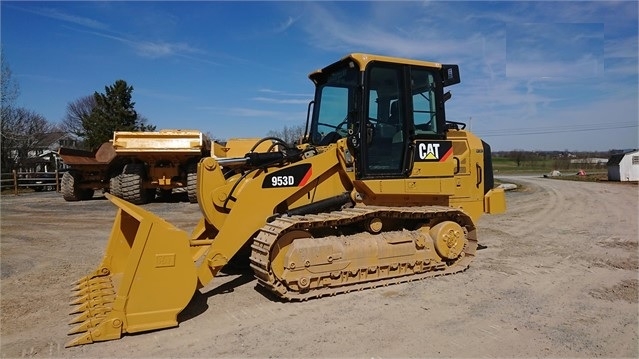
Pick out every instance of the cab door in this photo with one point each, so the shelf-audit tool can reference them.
(403, 131)
(384, 123)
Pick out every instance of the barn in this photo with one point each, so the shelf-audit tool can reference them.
(624, 166)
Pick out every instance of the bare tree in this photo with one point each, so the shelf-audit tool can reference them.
(209, 135)
(9, 89)
(519, 156)
(290, 135)
(143, 124)
(21, 130)
(77, 111)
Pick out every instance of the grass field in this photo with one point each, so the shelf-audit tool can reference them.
(510, 165)
(543, 167)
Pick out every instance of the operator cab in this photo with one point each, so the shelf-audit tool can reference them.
(382, 105)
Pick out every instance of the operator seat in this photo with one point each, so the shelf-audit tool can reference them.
(388, 128)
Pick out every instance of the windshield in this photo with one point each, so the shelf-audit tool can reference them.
(334, 104)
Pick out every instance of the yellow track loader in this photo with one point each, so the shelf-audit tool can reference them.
(382, 189)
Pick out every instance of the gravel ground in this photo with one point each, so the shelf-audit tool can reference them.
(558, 278)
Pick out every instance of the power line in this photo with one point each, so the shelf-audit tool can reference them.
(557, 129)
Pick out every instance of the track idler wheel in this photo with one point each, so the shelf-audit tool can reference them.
(449, 239)
(374, 225)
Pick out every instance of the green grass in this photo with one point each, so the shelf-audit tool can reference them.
(540, 166)
(505, 165)
(502, 164)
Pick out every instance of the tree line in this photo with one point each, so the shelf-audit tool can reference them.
(92, 119)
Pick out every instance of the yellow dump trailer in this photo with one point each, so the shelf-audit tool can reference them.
(136, 165)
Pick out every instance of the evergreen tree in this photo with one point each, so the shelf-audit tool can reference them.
(113, 111)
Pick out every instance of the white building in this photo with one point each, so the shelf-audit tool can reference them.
(624, 167)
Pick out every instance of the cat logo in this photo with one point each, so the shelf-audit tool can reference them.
(429, 151)
(433, 151)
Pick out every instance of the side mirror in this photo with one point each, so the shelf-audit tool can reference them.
(450, 75)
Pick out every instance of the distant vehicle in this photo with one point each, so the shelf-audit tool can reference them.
(136, 165)
(43, 181)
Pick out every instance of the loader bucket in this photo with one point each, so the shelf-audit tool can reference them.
(147, 277)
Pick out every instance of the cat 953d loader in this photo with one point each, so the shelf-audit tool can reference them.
(381, 190)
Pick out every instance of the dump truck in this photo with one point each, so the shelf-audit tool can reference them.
(382, 189)
(88, 171)
(136, 165)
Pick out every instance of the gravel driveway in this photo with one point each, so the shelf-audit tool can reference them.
(558, 278)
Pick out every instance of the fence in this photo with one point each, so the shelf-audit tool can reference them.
(37, 181)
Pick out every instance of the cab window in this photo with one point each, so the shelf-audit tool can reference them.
(424, 103)
(385, 123)
(335, 104)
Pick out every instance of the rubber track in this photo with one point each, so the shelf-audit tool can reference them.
(269, 234)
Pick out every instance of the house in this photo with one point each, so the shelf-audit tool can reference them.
(596, 161)
(43, 156)
(624, 166)
(48, 161)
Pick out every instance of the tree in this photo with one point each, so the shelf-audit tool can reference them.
(8, 95)
(77, 112)
(22, 130)
(290, 135)
(518, 156)
(113, 111)
(9, 90)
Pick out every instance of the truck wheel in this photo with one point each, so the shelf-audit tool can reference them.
(71, 190)
(115, 185)
(191, 183)
(132, 183)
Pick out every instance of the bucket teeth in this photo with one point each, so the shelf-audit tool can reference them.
(88, 281)
(86, 325)
(86, 287)
(97, 329)
(92, 294)
(91, 303)
(95, 296)
(81, 280)
(90, 313)
(82, 339)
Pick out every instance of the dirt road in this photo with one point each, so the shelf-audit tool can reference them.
(558, 278)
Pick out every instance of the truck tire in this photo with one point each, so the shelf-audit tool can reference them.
(70, 188)
(132, 184)
(191, 183)
(115, 185)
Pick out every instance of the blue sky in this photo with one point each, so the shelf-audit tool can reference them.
(539, 75)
